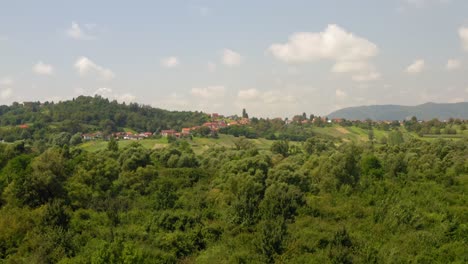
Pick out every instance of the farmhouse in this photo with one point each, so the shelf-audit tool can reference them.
(168, 133)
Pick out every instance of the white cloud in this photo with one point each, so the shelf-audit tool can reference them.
(453, 64)
(350, 53)
(457, 100)
(276, 97)
(104, 91)
(249, 94)
(212, 66)
(170, 62)
(334, 43)
(366, 76)
(126, 97)
(6, 81)
(272, 103)
(340, 93)
(416, 67)
(173, 102)
(231, 58)
(84, 66)
(109, 93)
(76, 32)
(6, 93)
(362, 71)
(463, 34)
(43, 69)
(268, 97)
(210, 92)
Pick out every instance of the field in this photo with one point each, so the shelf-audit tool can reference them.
(199, 144)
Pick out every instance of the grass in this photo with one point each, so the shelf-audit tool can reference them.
(199, 145)
(97, 145)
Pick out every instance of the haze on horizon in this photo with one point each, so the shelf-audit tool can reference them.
(274, 58)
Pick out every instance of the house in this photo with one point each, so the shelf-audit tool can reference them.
(212, 125)
(185, 131)
(23, 126)
(145, 134)
(128, 135)
(337, 120)
(167, 133)
(87, 137)
(244, 121)
(222, 124)
(214, 116)
(91, 136)
(233, 123)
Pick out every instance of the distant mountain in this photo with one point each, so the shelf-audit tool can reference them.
(425, 111)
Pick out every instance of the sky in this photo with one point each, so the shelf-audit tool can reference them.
(274, 58)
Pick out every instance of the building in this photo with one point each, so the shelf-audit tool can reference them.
(167, 133)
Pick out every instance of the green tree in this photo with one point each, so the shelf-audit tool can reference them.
(280, 147)
(113, 145)
(244, 113)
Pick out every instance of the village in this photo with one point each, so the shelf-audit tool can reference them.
(217, 122)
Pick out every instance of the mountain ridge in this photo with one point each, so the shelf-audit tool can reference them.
(426, 111)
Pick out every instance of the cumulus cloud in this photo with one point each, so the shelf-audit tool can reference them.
(210, 92)
(173, 102)
(109, 93)
(43, 69)
(463, 34)
(350, 53)
(6, 81)
(103, 91)
(416, 67)
(231, 58)
(453, 64)
(6, 93)
(340, 93)
(170, 62)
(267, 97)
(85, 66)
(249, 94)
(76, 32)
(333, 43)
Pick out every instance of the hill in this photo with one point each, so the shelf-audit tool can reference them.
(86, 114)
(425, 111)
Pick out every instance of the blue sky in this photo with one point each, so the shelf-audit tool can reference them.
(274, 58)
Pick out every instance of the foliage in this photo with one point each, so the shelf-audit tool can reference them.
(316, 201)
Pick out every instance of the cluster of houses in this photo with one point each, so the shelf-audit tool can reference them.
(215, 125)
(117, 135)
(217, 122)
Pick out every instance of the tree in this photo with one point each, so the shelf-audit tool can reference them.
(76, 139)
(244, 113)
(113, 145)
(395, 138)
(370, 134)
(280, 147)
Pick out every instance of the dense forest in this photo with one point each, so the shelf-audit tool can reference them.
(319, 201)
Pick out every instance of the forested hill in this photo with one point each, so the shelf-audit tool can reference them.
(425, 111)
(85, 113)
